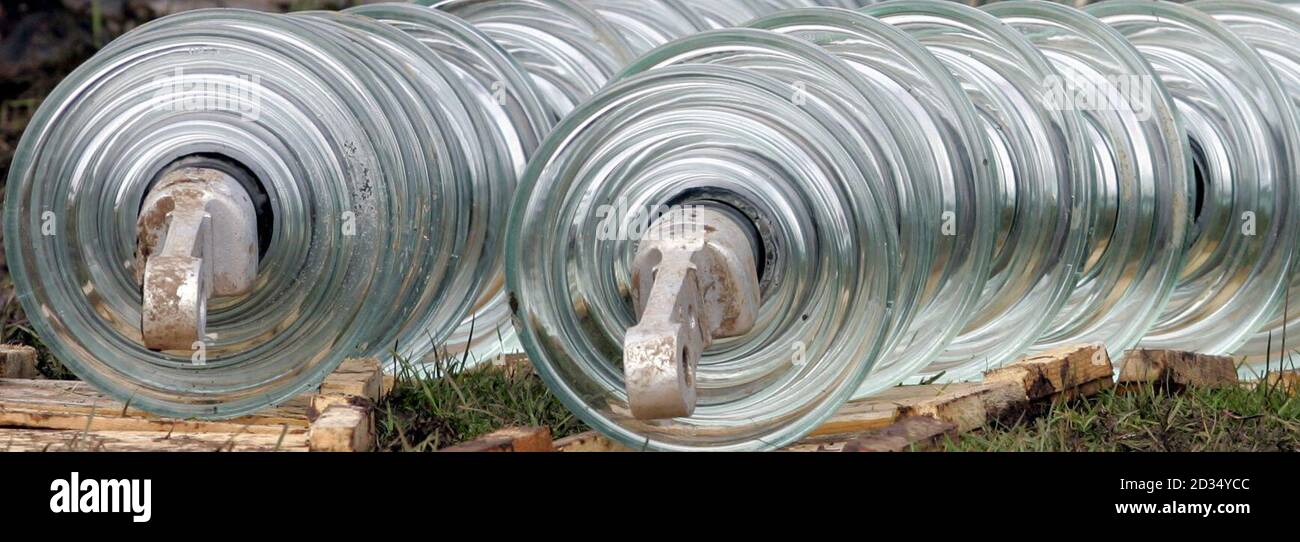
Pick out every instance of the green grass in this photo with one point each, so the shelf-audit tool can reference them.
(97, 23)
(1235, 419)
(425, 411)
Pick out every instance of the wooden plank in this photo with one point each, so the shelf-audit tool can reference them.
(511, 439)
(17, 361)
(358, 366)
(591, 441)
(58, 401)
(1006, 393)
(54, 404)
(913, 433)
(858, 417)
(114, 421)
(1176, 369)
(883, 409)
(362, 377)
(966, 404)
(319, 403)
(1061, 371)
(38, 414)
(342, 428)
(41, 440)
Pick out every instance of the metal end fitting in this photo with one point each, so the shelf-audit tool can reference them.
(196, 238)
(695, 280)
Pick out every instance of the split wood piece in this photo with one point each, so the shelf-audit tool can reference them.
(60, 404)
(41, 440)
(17, 361)
(342, 428)
(1087, 390)
(591, 441)
(999, 403)
(913, 433)
(968, 405)
(859, 417)
(514, 364)
(342, 414)
(510, 439)
(1062, 373)
(361, 377)
(1176, 370)
(319, 403)
(924, 416)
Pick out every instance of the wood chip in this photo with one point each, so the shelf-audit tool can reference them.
(511, 439)
(1061, 371)
(342, 428)
(1176, 369)
(18, 361)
